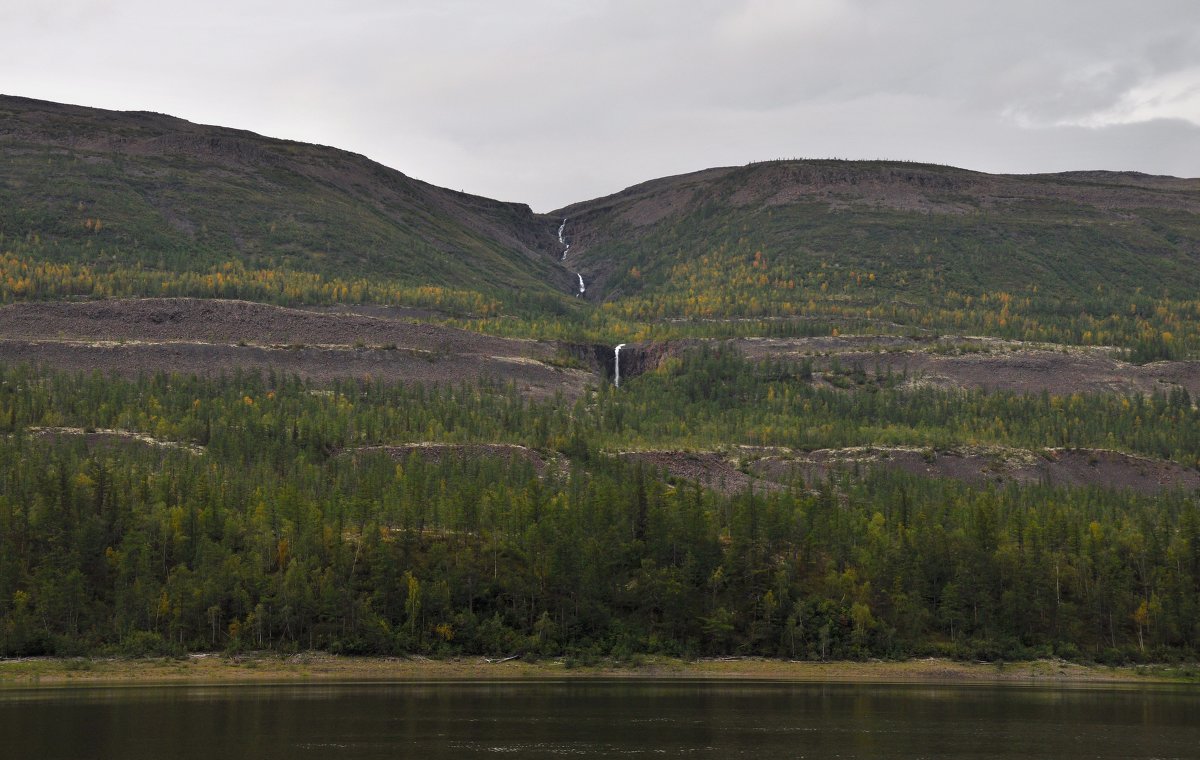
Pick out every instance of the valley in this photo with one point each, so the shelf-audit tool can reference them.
(260, 395)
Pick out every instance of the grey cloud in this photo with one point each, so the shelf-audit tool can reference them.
(550, 102)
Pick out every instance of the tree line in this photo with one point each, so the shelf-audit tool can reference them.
(279, 530)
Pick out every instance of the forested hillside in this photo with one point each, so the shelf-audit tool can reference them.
(259, 512)
(263, 395)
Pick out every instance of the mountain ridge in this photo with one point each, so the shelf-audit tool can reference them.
(282, 180)
(772, 239)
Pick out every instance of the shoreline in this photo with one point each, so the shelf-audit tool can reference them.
(319, 667)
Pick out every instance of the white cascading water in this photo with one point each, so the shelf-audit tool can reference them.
(565, 244)
(567, 247)
(617, 365)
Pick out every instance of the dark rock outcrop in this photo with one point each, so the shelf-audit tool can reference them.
(636, 358)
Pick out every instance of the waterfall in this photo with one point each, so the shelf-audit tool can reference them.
(564, 243)
(566, 247)
(617, 365)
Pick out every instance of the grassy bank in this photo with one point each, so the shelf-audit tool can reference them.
(329, 668)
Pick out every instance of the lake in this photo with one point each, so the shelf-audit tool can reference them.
(598, 719)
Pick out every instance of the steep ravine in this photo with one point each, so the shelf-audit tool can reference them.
(566, 249)
(583, 289)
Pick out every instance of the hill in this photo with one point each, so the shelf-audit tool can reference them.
(100, 203)
(1038, 257)
(262, 395)
(1066, 232)
(148, 191)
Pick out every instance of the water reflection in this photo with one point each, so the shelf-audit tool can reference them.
(597, 720)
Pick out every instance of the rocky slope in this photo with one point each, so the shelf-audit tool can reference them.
(143, 336)
(142, 188)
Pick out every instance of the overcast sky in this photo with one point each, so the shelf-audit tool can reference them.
(551, 102)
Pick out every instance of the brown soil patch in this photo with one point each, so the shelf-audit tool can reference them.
(100, 438)
(231, 321)
(1056, 467)
(772, 469)
(207, 337)
(991, 365)
(435, 453)
(319, 364)
(710, 469)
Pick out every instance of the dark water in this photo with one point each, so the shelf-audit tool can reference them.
(597, 720)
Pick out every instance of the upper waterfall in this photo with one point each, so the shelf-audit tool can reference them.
(561, 241)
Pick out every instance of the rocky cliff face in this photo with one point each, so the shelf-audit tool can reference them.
(636, 358)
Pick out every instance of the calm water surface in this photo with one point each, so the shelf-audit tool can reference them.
(597, 720)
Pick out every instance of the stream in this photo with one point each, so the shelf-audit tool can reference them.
(567, 247)
(583, 289)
